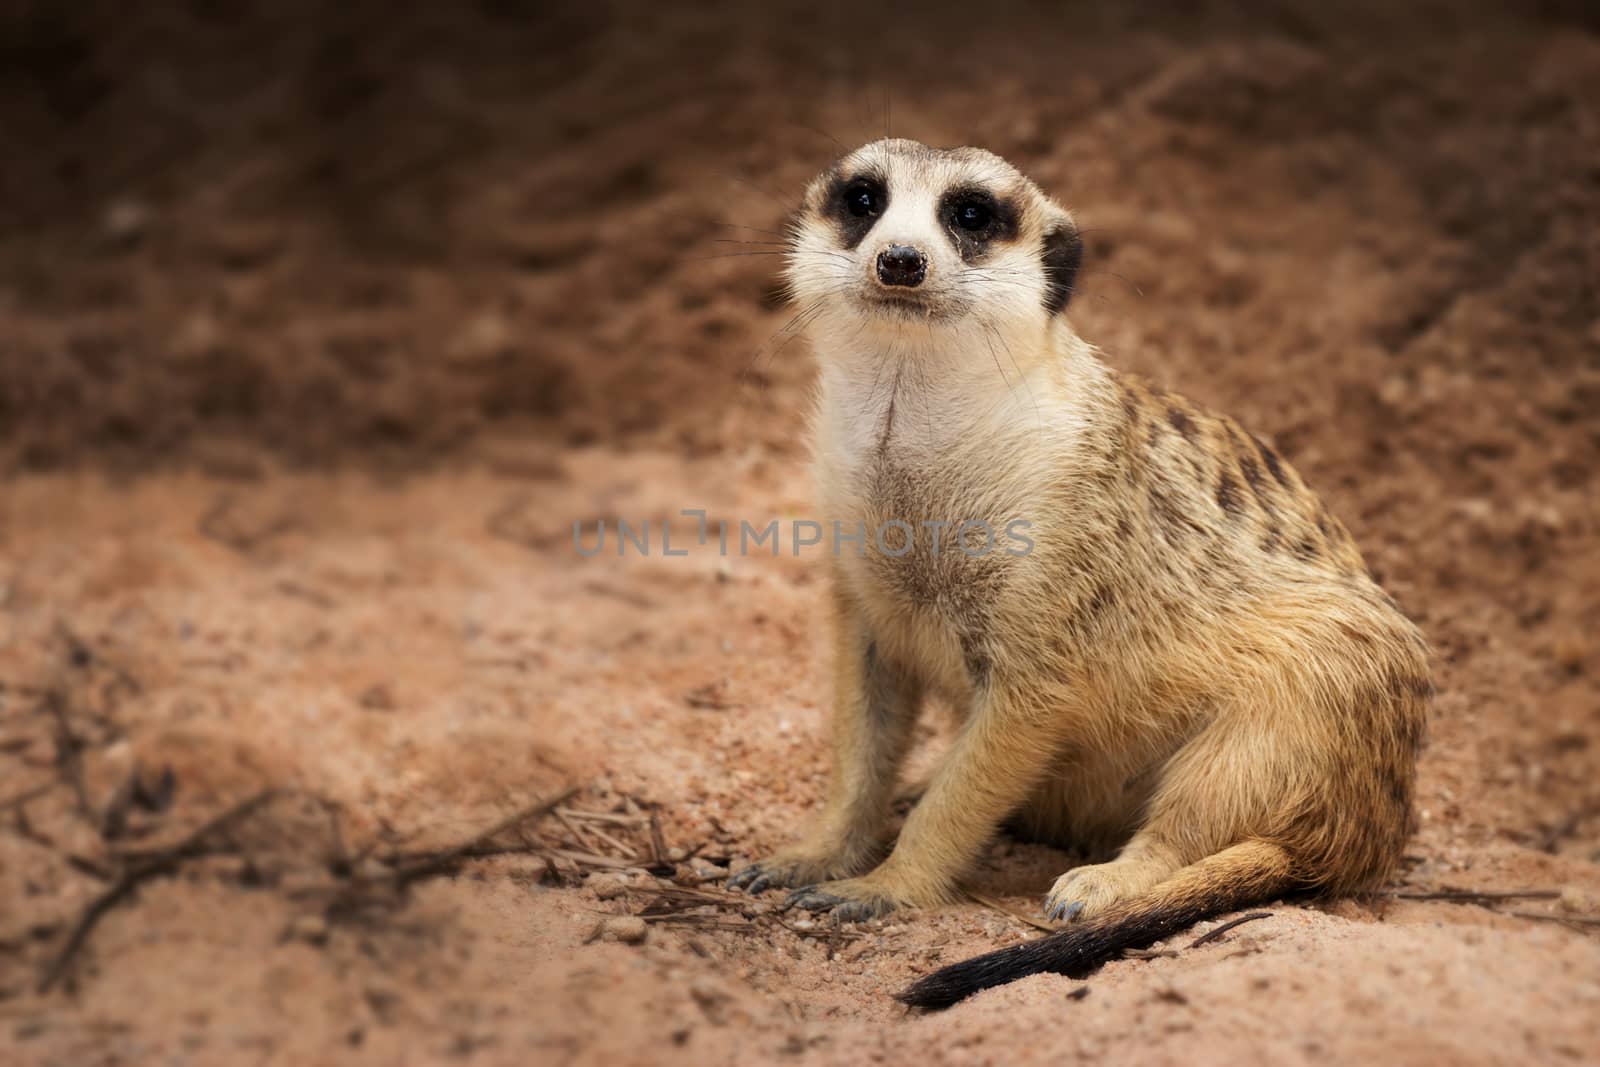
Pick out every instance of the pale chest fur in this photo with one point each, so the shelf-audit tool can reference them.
(936, 480)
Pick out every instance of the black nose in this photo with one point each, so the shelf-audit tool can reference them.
(902, 265)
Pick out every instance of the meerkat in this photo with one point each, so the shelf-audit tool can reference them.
(1190, 675)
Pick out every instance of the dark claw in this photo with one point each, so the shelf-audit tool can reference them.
(745, 878)
(854, 911)
(840, 909)
(1054, 914)
(1075, 910)
(811, 900)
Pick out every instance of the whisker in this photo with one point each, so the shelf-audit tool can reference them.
(996, 356)
(1034, 400)
(756, 229)
(842, 150)
(801, 319)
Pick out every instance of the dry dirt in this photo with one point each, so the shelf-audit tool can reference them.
(318, 330)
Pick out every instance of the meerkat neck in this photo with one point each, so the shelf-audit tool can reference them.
(930, 389)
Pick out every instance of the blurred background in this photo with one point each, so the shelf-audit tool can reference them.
(335, 234)
(321, 324)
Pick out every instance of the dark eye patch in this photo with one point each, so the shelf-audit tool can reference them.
(855, 202)
(974, 218)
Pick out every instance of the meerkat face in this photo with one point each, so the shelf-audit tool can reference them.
(898, 234)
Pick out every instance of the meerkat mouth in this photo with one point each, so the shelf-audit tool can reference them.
(908, 305)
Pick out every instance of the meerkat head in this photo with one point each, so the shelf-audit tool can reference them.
(898, 234)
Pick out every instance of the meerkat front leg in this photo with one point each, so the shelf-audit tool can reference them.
(875, 710)
(1006, 747)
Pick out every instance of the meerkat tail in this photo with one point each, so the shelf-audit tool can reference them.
(1246, 873)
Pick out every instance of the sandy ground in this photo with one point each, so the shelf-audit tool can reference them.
(299, 414)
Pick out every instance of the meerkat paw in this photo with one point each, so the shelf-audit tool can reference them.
(849, 900)
(1084, 892)
(795, 867)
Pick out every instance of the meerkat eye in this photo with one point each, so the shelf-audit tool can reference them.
(863, 199)
(972, 215)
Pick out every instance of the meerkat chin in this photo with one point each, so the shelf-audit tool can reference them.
(1189, 673)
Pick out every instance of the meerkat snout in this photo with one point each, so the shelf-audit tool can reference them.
(902, 265)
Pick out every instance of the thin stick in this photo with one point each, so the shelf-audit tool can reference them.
(603, 816)
(588, 859)
(627, 851)
(576, 831)
(69, 752)
(1565, 920)
(995, 905)
(161, 863)
(443, 859)
(1472, 896)
(703, 922)
(1212, 935)
(822, 933)
(588, 837)
(658, 844)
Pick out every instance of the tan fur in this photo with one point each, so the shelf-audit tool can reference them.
(1192, 657)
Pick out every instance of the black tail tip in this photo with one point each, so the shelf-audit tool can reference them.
(933, 993)
(955, 983)
(1074, 951)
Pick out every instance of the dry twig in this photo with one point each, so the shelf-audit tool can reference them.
(1486, 898)
(1577, 922)
(603, 816)
(440, 860)
(658, 844)
(1477, 896)
(1149, 954)
(145, 867)
(995, 905)
(1211, 935)
(69, 752)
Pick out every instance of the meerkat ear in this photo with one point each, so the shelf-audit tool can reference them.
(1063, 251)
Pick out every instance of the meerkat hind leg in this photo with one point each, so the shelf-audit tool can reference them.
(1204, 801)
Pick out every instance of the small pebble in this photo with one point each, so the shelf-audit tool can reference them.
(706, 869)
(309, 928)
(372, 870)
(629, 929)
(1574, 899)
(607, 886)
